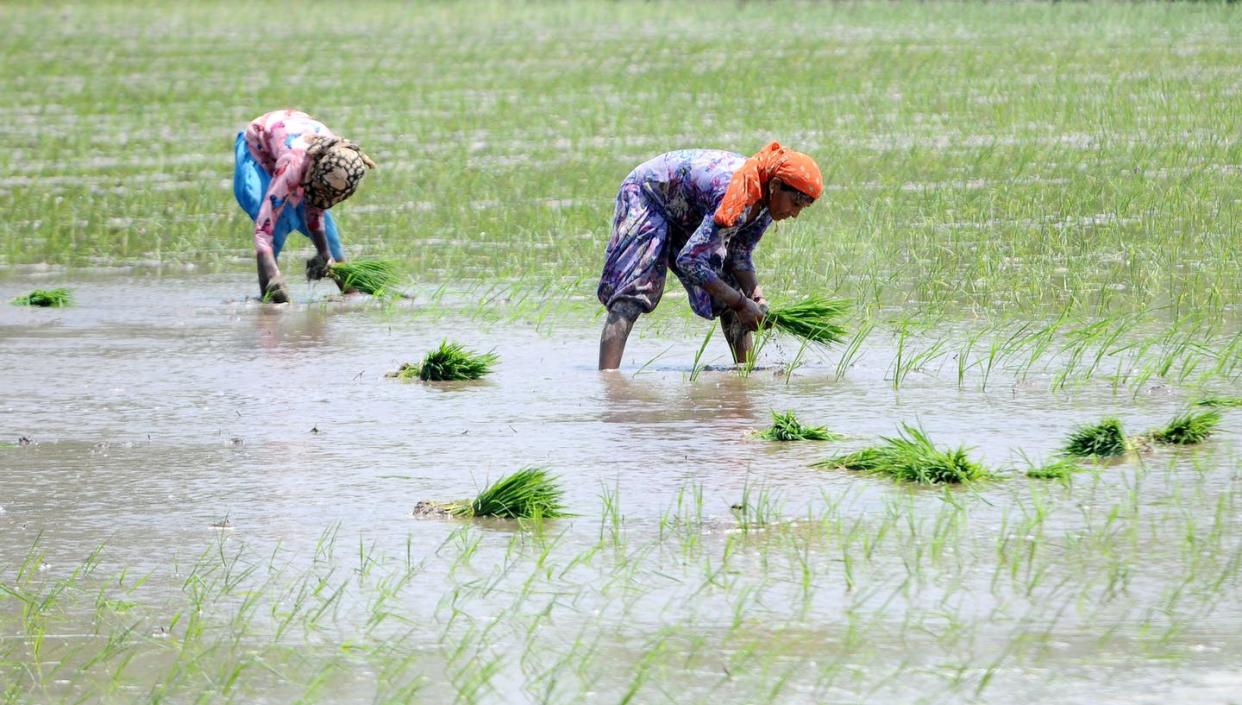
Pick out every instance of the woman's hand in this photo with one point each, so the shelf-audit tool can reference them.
(763, 305)
(749, 313)
(317, 266)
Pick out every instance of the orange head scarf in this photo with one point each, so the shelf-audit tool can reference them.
(794, 169)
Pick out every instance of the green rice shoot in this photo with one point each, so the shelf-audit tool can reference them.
(1220, 401)
(370, 276)
(48, 298)
(529, 493)
(786, 427)
(452, 362)
(813, 320)
(1188, 429)
(911, 457)
(1103, 440)
(1056, 470)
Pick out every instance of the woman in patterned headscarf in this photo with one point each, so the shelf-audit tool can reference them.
(699, 212)
(290, 170)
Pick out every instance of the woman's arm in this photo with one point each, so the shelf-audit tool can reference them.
(699, 260)
(278, 191)
(740, 258)
(703, 254)
(749, 282)
(319, 235)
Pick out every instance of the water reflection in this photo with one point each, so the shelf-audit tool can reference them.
(655, 398)
(627, 398)
(721, 395)
(291, 326)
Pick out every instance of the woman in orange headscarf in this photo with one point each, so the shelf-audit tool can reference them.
(700, 212)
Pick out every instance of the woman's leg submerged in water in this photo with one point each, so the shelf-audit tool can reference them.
(741, 341)
(272, 286)
(250, 183)
(617, 327)
(634, 270)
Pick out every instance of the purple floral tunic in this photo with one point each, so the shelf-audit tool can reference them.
(664, 218)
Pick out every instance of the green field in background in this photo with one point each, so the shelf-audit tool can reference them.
(1015, 158)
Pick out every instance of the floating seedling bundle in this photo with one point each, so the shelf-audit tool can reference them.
(1188, 428)
(529, 493)
(370, 276)
(1107, 439)
(49, 298)
(786, 427)
(911, 457)
(449, 362)
(813, 320)
(1103, 440)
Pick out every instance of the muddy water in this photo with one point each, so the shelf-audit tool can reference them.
(160, 407)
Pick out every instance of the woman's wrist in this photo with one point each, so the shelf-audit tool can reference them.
(739, 301)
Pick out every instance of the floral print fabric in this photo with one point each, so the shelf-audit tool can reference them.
(665, 219)
(277, 141)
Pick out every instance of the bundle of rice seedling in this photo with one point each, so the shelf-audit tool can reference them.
(785, 427)
(1188, 429)
(1056, 470)
(911, 457)
(813, 320)
(526, 494)
(52, 298)
(1105, 439)
(529, 493)
(370, 276)
(450, 362)
(1220, 401)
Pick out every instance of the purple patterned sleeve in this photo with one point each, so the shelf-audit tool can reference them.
(704, 253)
(742, 245)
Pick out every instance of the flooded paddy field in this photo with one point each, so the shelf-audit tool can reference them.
(1034, 209)
(217, 500)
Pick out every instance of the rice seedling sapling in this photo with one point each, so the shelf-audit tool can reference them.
(47, 298)
(376, 277)
(813, 320)
(1103, 440)
(786, 427)
(1188, 428)
(449, 362)
(911, 457)
(529, 493)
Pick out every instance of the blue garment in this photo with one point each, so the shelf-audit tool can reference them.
(250, 181)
